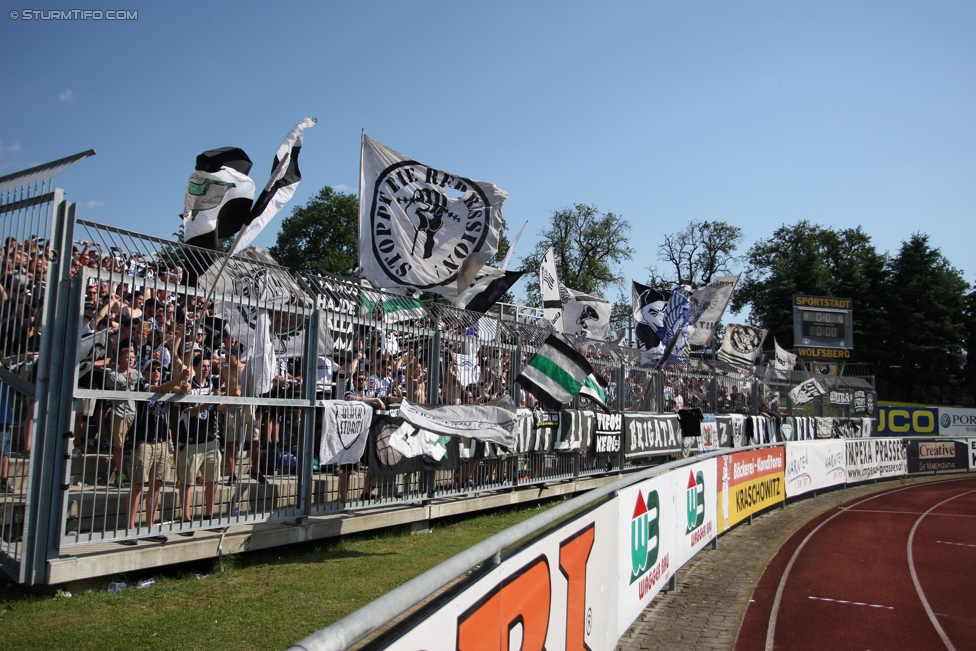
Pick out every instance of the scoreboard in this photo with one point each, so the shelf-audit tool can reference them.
(823, 326)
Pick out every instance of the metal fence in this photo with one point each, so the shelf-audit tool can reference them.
(152, 389)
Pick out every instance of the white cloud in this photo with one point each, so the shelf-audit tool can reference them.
(92, 204)
(67, 96)
(5, 148)
(342, 187)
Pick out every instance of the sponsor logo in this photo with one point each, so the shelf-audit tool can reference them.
(907, 420)
(936, 450)
(644, 534)
(834, 465)
(695, 501)
(759, 493)
(525, 598)
(945, 420)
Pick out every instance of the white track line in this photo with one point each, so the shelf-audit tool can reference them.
(918, 586)
(771, 627)
(853, 603)
(946, 542)
(944, 515)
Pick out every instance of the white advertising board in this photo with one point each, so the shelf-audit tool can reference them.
(695, 518)
(972, 454)
(812, 465)
(558, 593)
(875, 458)
(645, 545)
(957, 422)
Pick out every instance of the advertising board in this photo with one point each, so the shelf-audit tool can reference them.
(875, 458)
(929, 456)
(558, 593)
(695, 518)
(647, 516)
(748, 483)
(957, 422)
(907, 421)
(813, 465)
(972, 454)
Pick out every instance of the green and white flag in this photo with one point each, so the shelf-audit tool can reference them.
(557, 373)
(395, 307)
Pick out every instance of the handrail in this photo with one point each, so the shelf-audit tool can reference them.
(355, 626)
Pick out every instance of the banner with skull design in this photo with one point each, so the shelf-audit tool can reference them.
(742, 345)
(420, 227)
(585, 315)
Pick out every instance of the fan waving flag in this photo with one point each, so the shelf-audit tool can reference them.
(557, 373)
(420, 227)
(218, 197)
(285, 176)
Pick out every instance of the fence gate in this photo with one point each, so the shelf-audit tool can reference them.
(35, 227)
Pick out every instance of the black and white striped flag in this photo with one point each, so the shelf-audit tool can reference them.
(557, 373)
(285, 176)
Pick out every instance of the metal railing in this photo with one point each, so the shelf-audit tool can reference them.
(147, 394)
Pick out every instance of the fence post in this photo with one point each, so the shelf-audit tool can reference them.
(45, 489)
(434, 369)
(310, 375)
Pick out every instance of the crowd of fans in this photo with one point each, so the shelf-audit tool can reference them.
(145, 333)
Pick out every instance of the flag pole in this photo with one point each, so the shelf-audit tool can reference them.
(223, 265)
(667, 351)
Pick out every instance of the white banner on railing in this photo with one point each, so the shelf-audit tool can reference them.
(558, 593)
(875, 458)
(812, 465)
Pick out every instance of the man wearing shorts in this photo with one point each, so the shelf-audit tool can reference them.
(198, 449)
(123, 378)
(151, 440)
(239, 428)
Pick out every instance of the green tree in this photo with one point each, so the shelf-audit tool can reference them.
(970, 343)
(924, 308)
(697, 253)
(589, 246)
(809, 259)
(322, 235)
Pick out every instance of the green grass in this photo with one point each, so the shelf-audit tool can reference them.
(262, 600)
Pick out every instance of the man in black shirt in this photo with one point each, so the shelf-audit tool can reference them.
(197, 445)
(151, 442)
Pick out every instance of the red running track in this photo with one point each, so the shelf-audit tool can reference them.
(896, 570)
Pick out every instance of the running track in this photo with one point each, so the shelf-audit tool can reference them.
(896, 570)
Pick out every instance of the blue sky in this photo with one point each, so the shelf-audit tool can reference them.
(759, 114)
